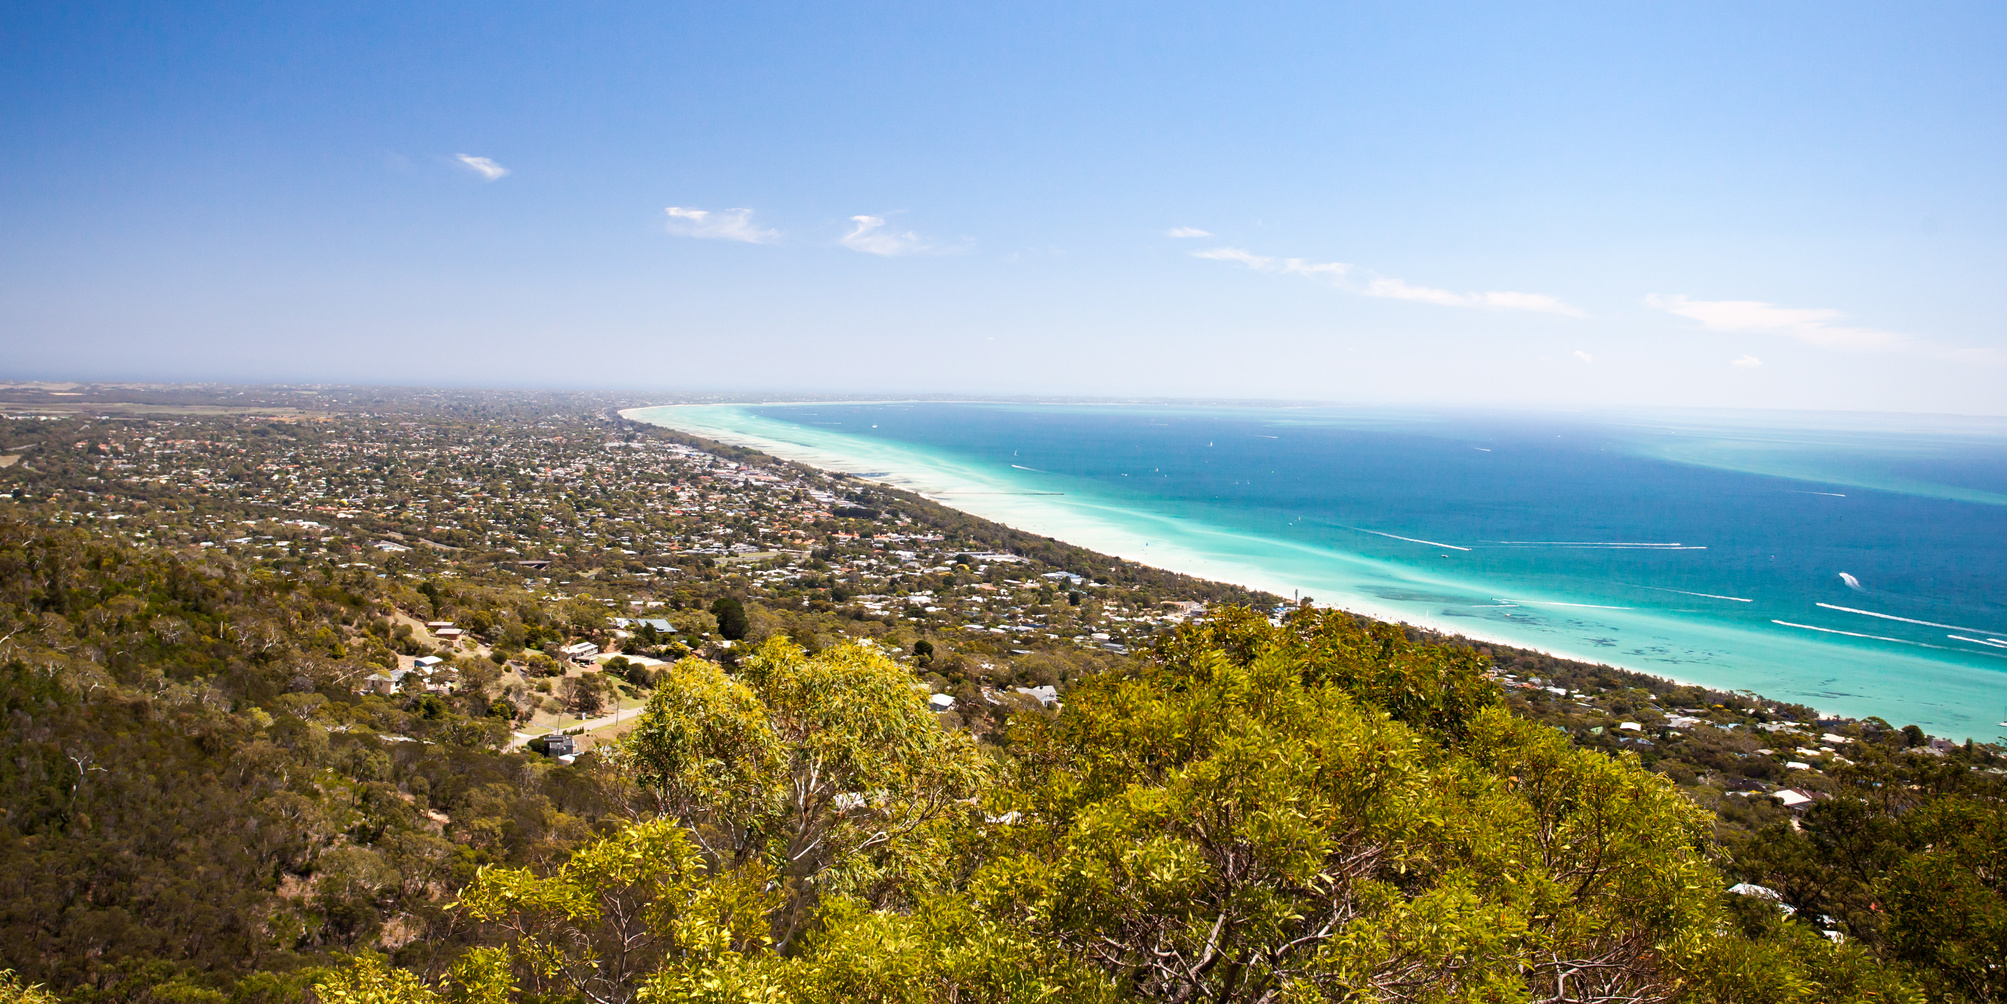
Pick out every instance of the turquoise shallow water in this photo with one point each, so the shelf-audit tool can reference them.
(1861, 570)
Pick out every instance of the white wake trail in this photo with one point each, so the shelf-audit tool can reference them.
(1905, 620)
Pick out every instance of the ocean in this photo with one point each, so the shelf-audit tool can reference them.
(1857, 564)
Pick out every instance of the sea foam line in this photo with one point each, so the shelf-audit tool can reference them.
(1905, 620)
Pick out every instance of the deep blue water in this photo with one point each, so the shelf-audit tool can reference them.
(1707, 550)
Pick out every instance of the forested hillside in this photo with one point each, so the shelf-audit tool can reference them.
(198, 808)
(192, 784)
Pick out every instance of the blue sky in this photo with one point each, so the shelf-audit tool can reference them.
(1778, 205)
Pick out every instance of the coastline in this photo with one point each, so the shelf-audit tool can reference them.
(1681, 645)
(1248, 576)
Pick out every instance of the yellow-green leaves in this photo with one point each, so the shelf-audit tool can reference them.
(366, 980)
(807, 762)
(482, 976)
(849, 716)
(14, 991)
(1328, 809)
(705, 745)
(807, 777)
(623, 907)
(942, 949)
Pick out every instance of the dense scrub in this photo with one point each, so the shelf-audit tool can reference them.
(193, 789)
(1323, 810)
(198, 806)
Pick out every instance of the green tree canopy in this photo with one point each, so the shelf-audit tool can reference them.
(1320, 810)
(731, 614)
(1909, 855)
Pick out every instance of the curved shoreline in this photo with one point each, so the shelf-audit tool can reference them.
(1719, 655)
(1251, 577)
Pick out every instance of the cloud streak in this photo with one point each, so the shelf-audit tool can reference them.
(487, 169)
(1241, 255)
(1362, 282)
(718, 225)
(868, 234)
(1814, 326)
(1186, 232)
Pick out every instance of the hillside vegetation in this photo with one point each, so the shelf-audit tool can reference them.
(200, 808)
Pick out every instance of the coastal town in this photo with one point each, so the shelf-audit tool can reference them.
(572, 541)
(542, 556)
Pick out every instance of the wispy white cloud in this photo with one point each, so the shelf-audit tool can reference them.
(1584, 356)
(1814, 326)
(1327, 271)
(1537, 302)
(1747, 363)
(482, 166)
(1245, 257)
(1395, 289)
(718, 224)
(1340, 274)
(868, 234)
(1186, 232)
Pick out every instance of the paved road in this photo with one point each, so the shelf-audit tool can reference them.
(591, 725)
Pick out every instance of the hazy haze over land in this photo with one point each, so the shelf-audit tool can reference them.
(1792, 206)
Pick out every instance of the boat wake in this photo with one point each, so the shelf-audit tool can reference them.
(1905, 620)
(1411, 540)
(1710, 596)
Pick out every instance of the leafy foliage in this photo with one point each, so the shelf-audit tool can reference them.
(813, 765)
(1244, 821)
(1244, 818)
(13, 991)
(1908, 856)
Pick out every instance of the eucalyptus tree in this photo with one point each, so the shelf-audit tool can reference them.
(792, 783)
